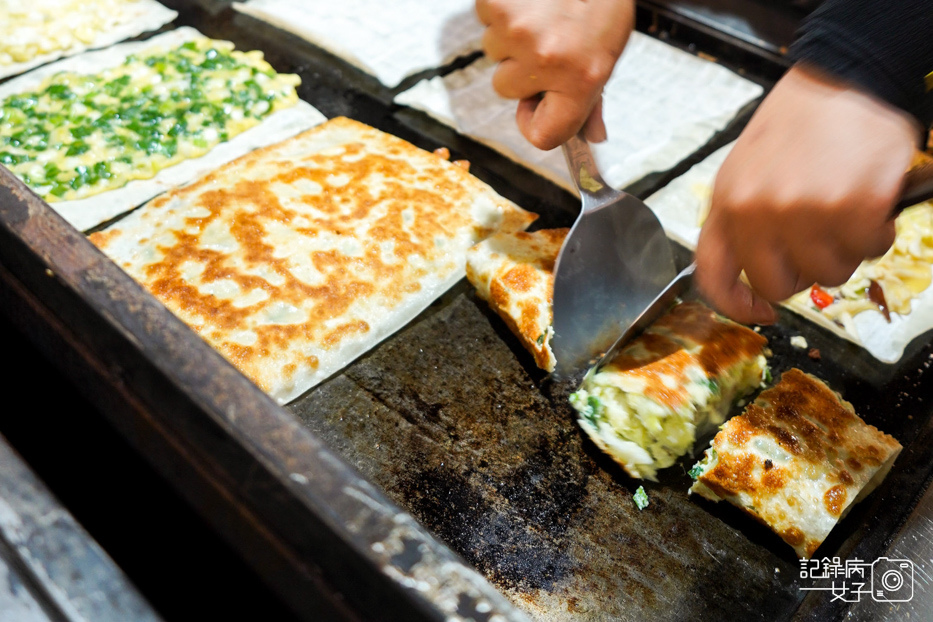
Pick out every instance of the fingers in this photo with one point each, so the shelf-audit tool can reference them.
(595, 128)
(717, 277)
(551, 119)
(489, 11)
(493, 46)
(564, 48)
(512, 80)
(821, 261)
(878, 244)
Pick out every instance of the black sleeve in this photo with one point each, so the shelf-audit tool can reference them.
(882, 46)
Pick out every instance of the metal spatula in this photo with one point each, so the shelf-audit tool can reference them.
(615, 272)
(614, 263)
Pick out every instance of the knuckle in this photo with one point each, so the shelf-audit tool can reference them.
(549, 54)
(523, 30)
(593, 75)
(732, 198)
(496, 10)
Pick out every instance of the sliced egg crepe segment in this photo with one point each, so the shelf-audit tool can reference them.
(33, 32)
(797, 460)
(514, 273)
(81, 134)
(297, 258)
(680, 377)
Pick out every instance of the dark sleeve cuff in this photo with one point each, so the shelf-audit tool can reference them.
(883, 47)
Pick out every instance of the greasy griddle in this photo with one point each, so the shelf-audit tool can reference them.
(453, 422)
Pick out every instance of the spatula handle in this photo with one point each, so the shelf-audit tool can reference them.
(583, 169)
(918, 187)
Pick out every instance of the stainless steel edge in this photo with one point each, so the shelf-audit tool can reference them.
(49, 566)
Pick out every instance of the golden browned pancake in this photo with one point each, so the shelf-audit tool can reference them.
(797, 459)
(514, 272)
(297, 258)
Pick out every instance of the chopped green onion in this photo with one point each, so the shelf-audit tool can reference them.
(640, 498)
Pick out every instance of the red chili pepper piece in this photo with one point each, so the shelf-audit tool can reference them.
(820, 297)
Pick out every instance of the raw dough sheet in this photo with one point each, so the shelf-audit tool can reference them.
(83, 214)
(390, 40)
(660, 105)
(679, 205)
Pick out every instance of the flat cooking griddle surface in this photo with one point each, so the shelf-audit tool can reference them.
(487, 454)
(452, 420)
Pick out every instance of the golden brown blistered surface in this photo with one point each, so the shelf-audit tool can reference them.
(719, 343)
(519, 274)
(826, 442)
(690, 334)
(317, 244)
(661, 362)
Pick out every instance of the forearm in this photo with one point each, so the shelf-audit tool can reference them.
(883, 46)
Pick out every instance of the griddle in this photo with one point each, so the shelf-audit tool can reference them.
(442, 475)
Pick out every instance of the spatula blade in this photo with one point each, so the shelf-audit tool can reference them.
(614, 263)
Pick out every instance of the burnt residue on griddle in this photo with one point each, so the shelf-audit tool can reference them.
(416, 410)
(471, 455)
(483, 530)
(546, 488)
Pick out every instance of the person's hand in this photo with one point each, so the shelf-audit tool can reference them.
(805, 195)
(555, 56)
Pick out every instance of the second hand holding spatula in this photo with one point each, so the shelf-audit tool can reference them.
(615, 273)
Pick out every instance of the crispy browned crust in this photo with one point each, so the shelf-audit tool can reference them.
(689, 334)
(539, 252)
(722, 343)
(406, 197)
(823, 435)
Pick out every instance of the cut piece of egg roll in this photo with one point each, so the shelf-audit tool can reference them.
(797, 460)
(514, 273)
(679, 378)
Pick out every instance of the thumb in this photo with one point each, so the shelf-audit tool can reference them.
(717, 278)
(549, 120)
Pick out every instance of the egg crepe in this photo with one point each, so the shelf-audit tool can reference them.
(514, 273)
(797, 460)
(39, 31)
(904, 273)
(297, 258)
(151, 115)
(680, 377)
